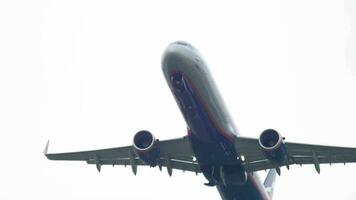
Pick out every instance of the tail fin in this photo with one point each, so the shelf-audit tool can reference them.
(269, 182)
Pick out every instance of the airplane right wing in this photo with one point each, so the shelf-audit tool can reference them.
(255, 158)
(173, 154)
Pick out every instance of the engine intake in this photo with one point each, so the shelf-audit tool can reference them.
(272, 145)
(146, 147)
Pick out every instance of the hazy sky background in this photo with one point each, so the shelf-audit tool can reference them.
(87, 75)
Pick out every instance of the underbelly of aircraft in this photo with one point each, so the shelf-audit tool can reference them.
(212, 147)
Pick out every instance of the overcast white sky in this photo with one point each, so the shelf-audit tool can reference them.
(86, 74)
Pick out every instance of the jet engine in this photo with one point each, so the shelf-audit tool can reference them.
(146, 147)
(272, 144)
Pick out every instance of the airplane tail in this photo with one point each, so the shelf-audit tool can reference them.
(269, 181)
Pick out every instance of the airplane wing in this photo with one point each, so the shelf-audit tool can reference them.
(254, 158)
(174, 154)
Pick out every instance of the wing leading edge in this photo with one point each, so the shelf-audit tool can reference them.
(297, 153)
(174, 154)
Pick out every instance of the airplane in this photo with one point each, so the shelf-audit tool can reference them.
(212, 145)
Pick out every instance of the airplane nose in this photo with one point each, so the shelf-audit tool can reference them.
(183, 43)
(177, 55)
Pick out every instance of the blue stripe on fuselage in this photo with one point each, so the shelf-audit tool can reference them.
(212, 145)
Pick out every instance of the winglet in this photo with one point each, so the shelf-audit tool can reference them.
(45, 151)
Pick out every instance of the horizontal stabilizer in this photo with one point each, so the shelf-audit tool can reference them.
(269, 182)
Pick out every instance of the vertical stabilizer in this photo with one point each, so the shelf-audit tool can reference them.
(269, 182)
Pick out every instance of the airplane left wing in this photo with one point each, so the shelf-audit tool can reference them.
(255, 159)
(174, 154)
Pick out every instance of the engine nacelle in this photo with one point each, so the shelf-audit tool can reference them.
(233, 175)
(146, 147)
(272, 144)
